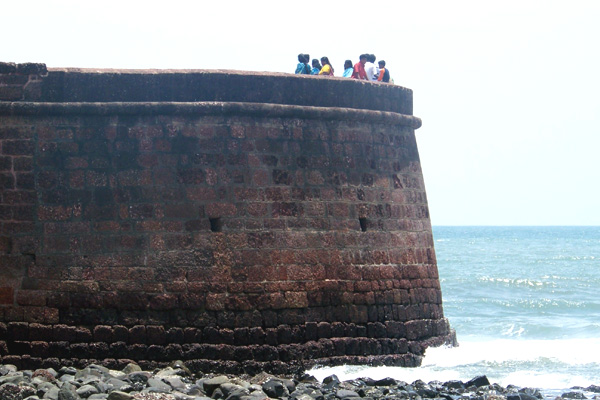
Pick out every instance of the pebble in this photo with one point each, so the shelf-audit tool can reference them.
(176, 382)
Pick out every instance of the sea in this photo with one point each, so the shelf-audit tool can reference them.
(525, 304)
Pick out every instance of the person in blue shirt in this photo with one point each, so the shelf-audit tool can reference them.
(347, 69)
(316, 67)
(302, 67)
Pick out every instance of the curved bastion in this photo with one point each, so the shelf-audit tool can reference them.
(238, 221)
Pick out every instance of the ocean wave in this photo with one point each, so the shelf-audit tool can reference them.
(547, 364)
(517, 281)
(472, 350)
(524, 305)
(513, 331)
(567, 257)
(540, 303)
(512, 325)
(522, 362)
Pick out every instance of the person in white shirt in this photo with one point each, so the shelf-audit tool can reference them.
(370, 68)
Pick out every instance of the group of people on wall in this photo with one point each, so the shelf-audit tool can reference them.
(364, 69)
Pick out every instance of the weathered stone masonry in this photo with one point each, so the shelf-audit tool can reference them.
(235, 220)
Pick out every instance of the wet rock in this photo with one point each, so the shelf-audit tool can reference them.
(86, 391)
(13, 377)
(210, 385)
(386, 382)
(530, 394)
(141, 376)
(346, 394)
(427, 393)
(573, 395)
(332, 379)
(117, 384)
(307, 378)
(525, 396)
(10, 391)
(157, 385)
(131, 367)
(228, 388)
(68, 392)
(116, 395)
(175, 382)
(448, 396)
(310, 390)
(48, 375)
(478, 381)
(275, 389)
(180, 368)
(7, 369)
(304, 397)
(153, 396)
(67, 371)
(238, 394)
(454, 384)
(99, 396)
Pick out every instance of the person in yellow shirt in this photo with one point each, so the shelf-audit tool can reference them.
(327, 69)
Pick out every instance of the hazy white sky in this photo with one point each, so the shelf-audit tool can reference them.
(508, 91)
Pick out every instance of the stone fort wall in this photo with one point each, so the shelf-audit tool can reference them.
(238, 221)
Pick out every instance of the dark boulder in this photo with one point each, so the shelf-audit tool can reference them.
(478, 381)
(386, 382)
(573, 395)
(275, 388)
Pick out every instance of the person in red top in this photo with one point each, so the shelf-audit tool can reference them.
(359, 68)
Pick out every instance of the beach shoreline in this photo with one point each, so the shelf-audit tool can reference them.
(177, 382)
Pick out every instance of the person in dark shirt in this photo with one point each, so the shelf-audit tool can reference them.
(384, 73)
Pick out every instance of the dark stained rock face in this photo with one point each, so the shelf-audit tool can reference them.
(238, 221)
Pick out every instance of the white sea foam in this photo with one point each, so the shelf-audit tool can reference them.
(564, 351)
(513, 331)
(545, 364)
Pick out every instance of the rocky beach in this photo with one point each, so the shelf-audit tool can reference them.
(177, 382)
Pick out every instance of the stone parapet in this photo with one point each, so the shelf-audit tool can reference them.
(21, 81)
(183, 86)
